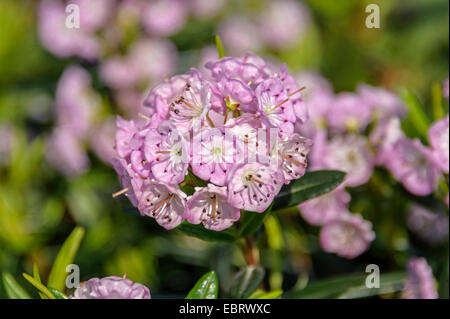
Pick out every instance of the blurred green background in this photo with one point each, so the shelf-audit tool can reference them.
(39, 207)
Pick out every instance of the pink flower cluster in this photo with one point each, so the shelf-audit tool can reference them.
(216, 127)
(420, 283)
(339, 127)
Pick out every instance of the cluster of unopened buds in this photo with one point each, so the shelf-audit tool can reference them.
(232, 130)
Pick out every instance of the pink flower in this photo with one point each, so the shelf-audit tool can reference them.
(214, 158)
(349, 112)
(209, 206)
(347, 236)
(253, 186)
(411, 163)
(163, 203)
(382, 102)
(349, 154)
(233, 94)
(275, 106)
(293, 90)
(293, 152)
(125, 132)
(321, 210)
(164, 17)
(438, 136)
(420, 283)
(111, 288)
(76, 103)
(168, 153)
(62, 41)
(102, 141)
(66, 153)
(250, 69)
(430, 226)
(131, 182)
(283, 23)
(240, 34)
(387, 132)
(190, 109)
(205, 9)
(94, 14)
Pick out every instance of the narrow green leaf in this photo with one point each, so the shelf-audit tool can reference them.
(220, 49)
(13, 289)
(65, 257)
(39, 286)
(201, 232)
(251, 221)
(246, 282)
(312, 184)
(348, 286)
(58, 294)
(207, 287)
(38, 278)
(417, 122)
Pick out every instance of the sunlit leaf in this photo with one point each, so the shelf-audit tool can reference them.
(220, 49)
(312, 184)
(65, 257)
(207, 287)
(38, 285)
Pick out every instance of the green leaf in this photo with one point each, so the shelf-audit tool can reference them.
(246, 282)
(312, 184)
(251, 221)
(201, 232)
(39, 286)
(348, 286)
(207, 287)
(38, 278)
(220, 49)
(13, 289)
(58, 294)
(65, 257)
(417, 122)
(261, 294)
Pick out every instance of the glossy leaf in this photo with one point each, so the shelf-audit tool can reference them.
(58, 294)
(312, 184)
(246, 282)
(207, 287)
(13, 289)
(65, 257)
(201, 232)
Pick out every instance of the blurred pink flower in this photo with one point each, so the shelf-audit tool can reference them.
(283, 23)
(240, 35)
(62, 41)
(430, 226)
(349, 113)
(76, 103)
(65, 152)
(348, 236)
(383, 138)
(94, 13)
(438, 136)
(412, 164)
(206, 9)
(349, 154)
(420, 283)
(382, 102)
(321, 210)
(164, 17)
(102, 140)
